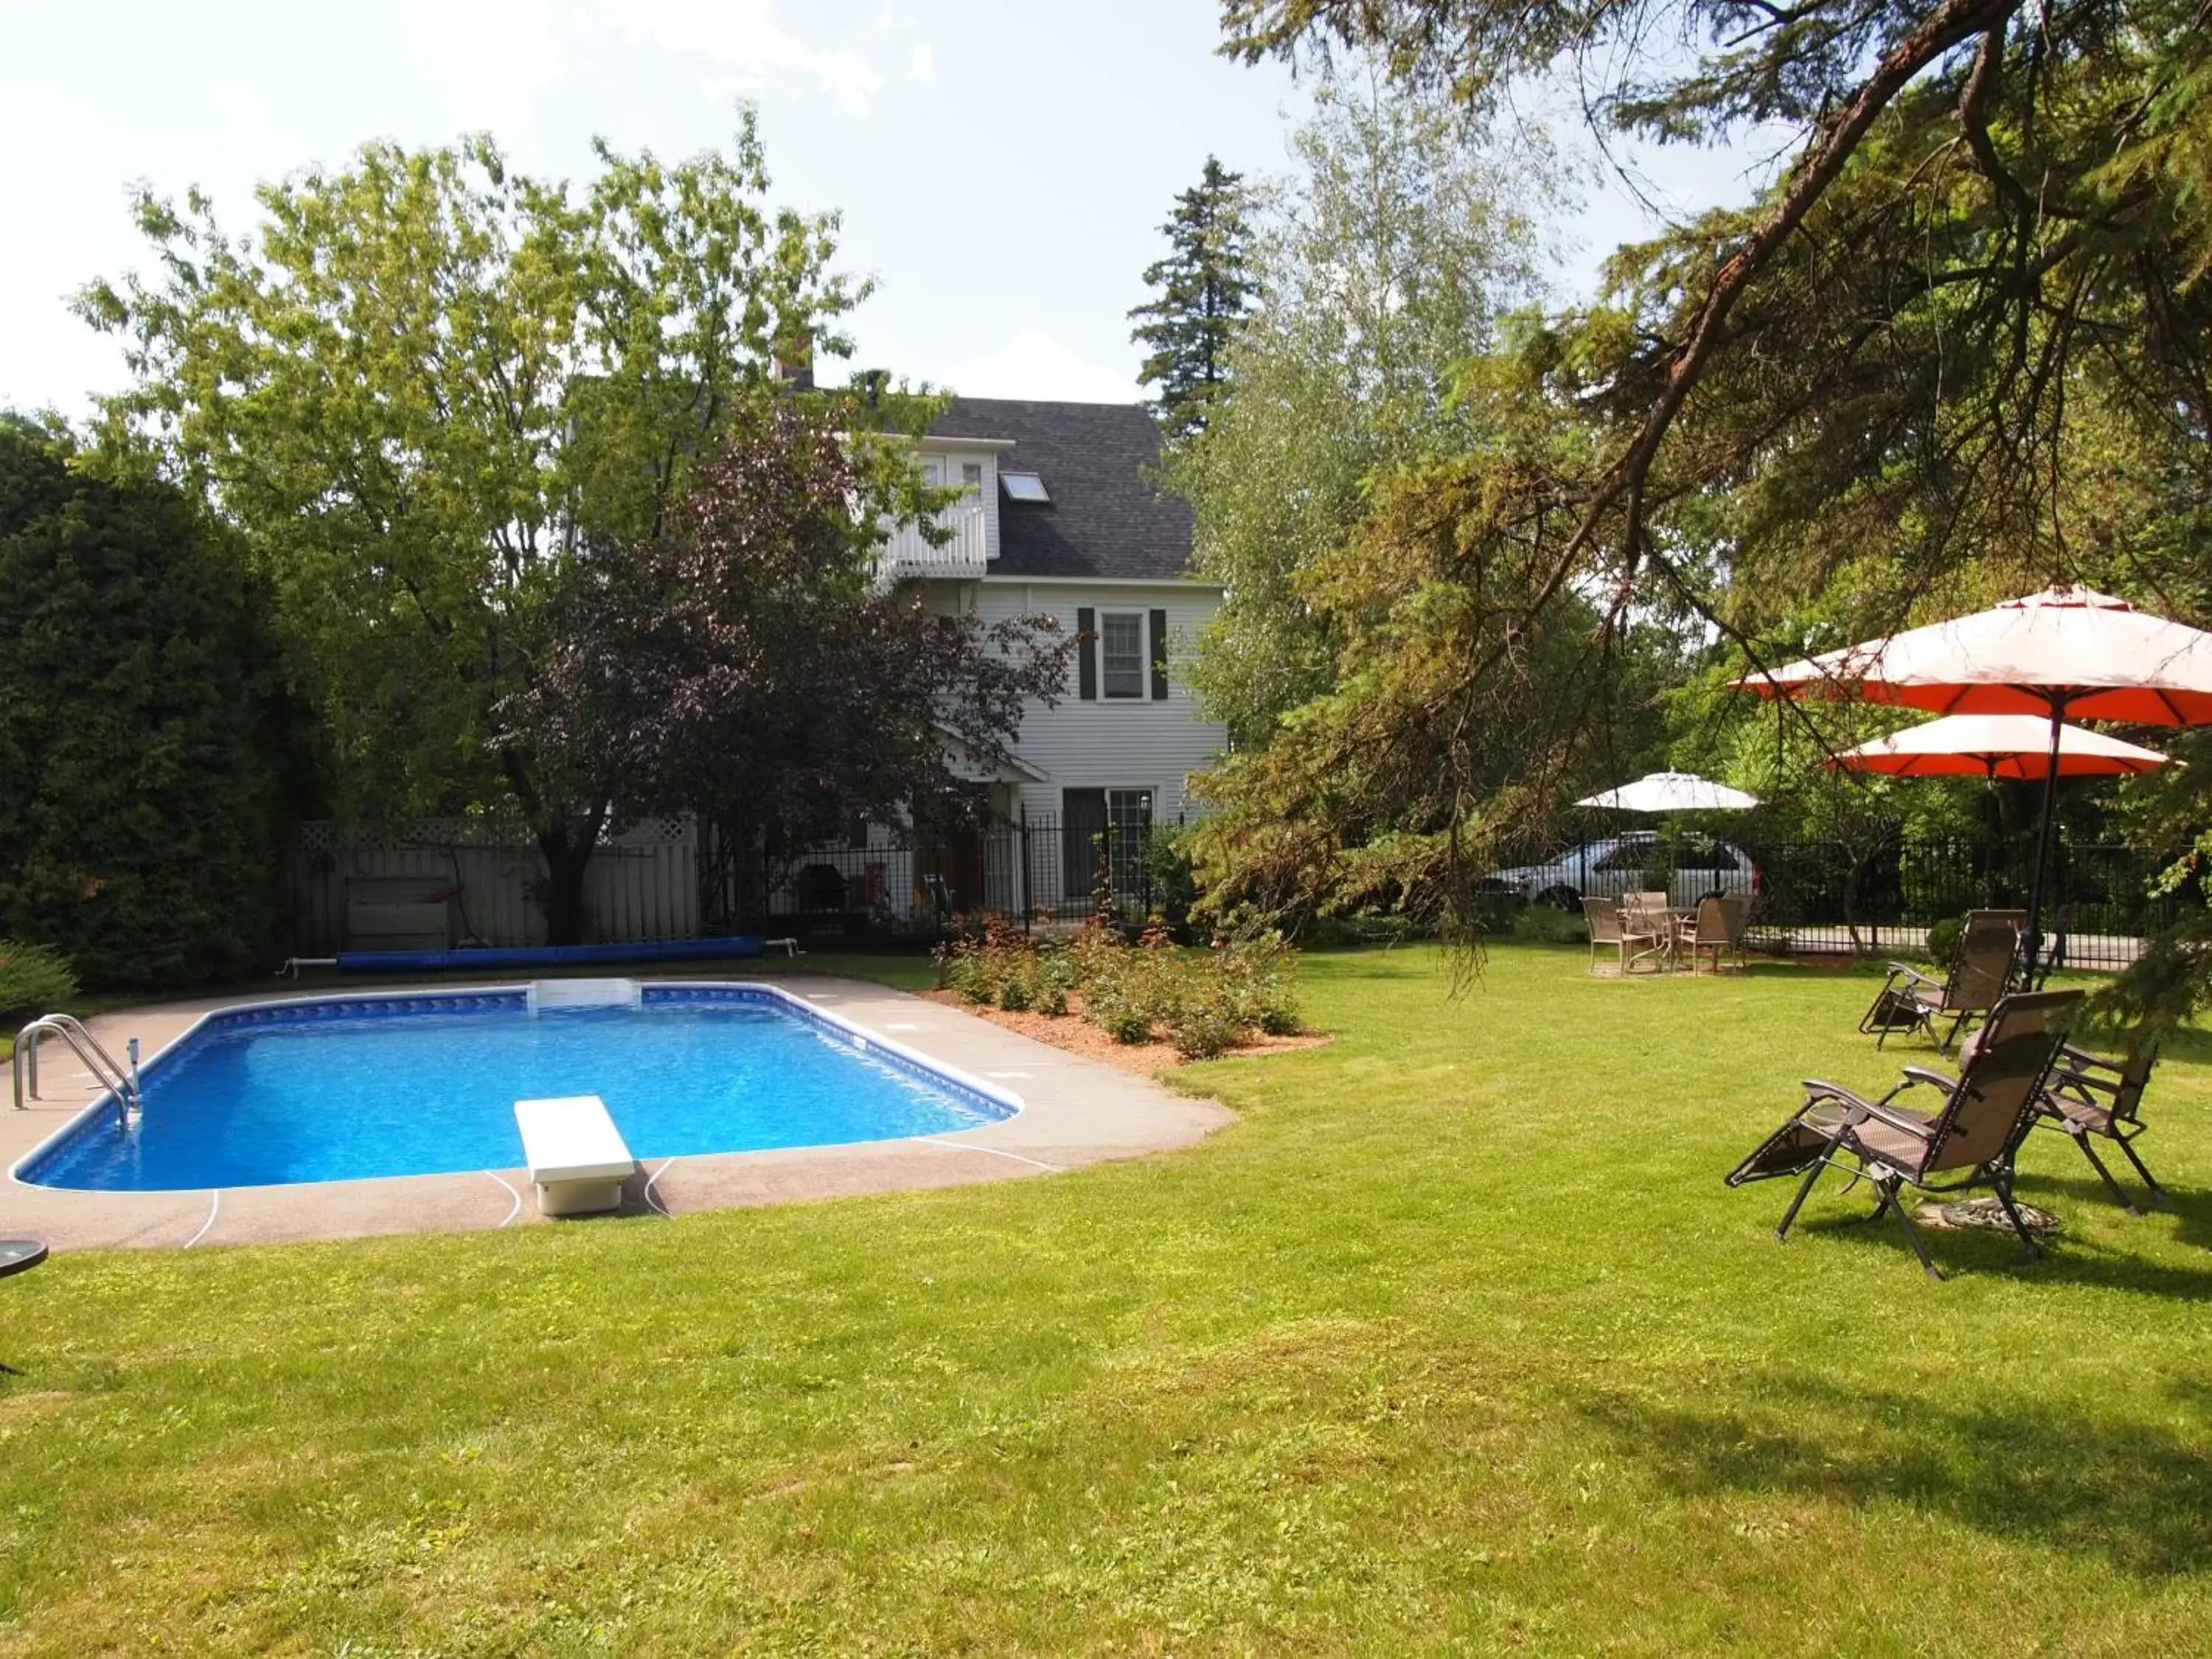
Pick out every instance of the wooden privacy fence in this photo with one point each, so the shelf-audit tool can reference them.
(430, 882)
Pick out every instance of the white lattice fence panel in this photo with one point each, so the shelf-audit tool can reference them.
(642, 884)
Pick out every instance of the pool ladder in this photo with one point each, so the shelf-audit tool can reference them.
(120, 1081)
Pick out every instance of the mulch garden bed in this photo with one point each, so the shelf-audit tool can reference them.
(1070, 1031)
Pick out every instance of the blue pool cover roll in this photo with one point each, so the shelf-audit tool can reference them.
(550, 956)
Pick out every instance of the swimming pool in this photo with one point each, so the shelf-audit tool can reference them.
(342, 1088)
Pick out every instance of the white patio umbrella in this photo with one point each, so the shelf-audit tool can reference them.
(1672, 792)
(2065, 651)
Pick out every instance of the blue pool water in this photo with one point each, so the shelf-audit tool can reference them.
(340, 1090)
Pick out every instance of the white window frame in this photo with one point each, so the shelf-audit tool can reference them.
(1144, 658)
(1125, 840)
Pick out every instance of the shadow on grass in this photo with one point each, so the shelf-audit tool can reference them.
(2137, 1495)
(2065, 1260)
(2068, 1194)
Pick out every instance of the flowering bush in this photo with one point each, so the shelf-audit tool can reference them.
(1206, 1002)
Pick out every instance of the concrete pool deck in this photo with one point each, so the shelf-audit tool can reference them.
(1076, 1111)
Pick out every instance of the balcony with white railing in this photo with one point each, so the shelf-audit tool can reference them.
(966, 552)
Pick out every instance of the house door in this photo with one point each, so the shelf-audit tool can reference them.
(1082, 822)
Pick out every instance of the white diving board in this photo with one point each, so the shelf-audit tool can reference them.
(574, 1153)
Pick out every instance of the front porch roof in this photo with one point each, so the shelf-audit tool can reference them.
(974, 767)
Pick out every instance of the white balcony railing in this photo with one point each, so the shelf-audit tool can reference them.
(909, 553)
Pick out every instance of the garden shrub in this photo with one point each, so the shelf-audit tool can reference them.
(1943, 938)
(34, 979)
(142, 732)
(1206, 1002)
(1539, 924)
(1206, 1025)
(1257, 974)
(1018, 983)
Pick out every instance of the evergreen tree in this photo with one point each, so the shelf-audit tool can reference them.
(141, 732)
(1202, 290)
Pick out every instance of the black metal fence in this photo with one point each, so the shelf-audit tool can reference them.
(883, 887)
(1826, 897)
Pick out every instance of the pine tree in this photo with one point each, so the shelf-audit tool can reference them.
(1202, 290)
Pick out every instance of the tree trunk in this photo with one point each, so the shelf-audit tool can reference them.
(566, 849)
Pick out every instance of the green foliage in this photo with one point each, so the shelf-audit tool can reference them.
(1206, 1002)
(34, 979)
(1168, 872)
(141, 732)
(1203, 291)
(1960, 347)
(1384, 263)
(1206, 1025)
(1544, 924)
(421, 384)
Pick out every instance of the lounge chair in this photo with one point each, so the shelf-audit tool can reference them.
(1910, 1000)
(1610, 925)
(2088, 1095)
(1983, 1111)
(1718, 927)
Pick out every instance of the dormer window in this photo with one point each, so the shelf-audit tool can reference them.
(971, 476)
(1024, 487)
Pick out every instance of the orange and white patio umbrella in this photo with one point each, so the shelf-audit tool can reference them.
(1993, 746)
(2068, 651)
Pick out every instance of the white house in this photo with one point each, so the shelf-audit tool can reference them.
(1061, 516)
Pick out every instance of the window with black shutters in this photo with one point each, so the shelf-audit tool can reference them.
(1122, 652)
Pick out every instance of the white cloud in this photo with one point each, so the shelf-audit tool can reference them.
(921, 64)
(743, 37)
(1035, 365)
(499, 55)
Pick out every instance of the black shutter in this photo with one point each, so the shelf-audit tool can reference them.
(1086, 662)
(1159, 656)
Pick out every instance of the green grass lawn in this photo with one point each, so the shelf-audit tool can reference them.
(1456, 1342)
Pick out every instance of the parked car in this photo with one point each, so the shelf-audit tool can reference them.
(1615, 866)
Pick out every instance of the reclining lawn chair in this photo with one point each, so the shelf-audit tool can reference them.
(2088, 1095)
(1983, 1113)
(1610, 925)
(1910, 1000)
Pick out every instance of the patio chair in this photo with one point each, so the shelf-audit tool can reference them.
(2088, 1094)
(1983, 1114)
(1910, 1000)
(1719, 927)
(1610, 925)
(1653, 911)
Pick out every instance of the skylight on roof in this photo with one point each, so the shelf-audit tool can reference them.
(1024, 487)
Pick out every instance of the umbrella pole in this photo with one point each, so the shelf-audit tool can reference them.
(2034, 943)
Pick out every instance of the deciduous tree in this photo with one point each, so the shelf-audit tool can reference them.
(421, 384)
(1384, 263)
(748, 661)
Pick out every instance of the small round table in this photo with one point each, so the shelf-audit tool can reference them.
(19, 1255)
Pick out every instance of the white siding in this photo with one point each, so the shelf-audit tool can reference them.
(1114, 744)
(955, 456)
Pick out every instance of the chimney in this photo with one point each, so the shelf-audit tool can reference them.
(794, 366)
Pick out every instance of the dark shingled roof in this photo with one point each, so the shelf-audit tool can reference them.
(1106, 517)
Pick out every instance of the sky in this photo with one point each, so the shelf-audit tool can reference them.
(1002, 167)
